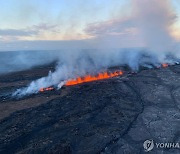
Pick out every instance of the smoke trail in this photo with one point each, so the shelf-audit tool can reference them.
(153, 19)
(91, 62)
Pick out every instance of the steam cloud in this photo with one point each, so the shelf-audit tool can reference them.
(151, 18)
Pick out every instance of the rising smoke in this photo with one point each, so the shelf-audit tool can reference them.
(151, 18)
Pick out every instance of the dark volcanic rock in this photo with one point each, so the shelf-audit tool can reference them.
(109, 116)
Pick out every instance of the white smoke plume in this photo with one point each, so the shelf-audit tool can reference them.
(151, 18)
(154, 19)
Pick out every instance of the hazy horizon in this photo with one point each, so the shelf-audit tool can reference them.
(54, 24)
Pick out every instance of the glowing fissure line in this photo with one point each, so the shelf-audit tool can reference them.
(90, 78)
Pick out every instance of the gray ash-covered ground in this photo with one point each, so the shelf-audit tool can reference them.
(109, 116)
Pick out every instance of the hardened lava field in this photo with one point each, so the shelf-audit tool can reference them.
(107, 116)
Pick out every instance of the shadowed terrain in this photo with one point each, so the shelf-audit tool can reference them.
(108, 116)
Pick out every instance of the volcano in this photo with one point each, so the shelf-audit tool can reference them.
(113, 115)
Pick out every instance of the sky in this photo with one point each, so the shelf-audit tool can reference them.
(37, 23)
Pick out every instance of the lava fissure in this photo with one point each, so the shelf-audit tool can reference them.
(46, 89)
(91, 78)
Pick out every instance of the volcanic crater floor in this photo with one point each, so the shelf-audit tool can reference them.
(108, 116)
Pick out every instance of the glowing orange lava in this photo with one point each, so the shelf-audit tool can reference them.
(165, 65)
(46, 89)
(89, 78)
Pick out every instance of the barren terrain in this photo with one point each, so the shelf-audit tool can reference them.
(109, 116)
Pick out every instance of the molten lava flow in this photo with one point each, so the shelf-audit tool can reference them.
(87, 78)
(165, 65)
(46, 89)
(90, 78)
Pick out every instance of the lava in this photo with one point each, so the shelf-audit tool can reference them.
(89, 78)
(164, 65)
(46, 89)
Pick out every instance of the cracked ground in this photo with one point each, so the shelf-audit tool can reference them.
(109, 116)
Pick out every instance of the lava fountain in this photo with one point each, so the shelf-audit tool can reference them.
(87, 78)
(90, 78)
